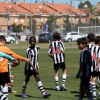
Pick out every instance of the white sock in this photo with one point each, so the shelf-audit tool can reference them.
(5, 90)
(41, 87)
(63, 79)
(56, 81)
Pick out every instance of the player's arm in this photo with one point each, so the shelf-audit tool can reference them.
(50, 52)
(4, 55)
(11, 53)
(98, 62)
(62, 49)
(50, 55)
(33, 67)
(80, 69)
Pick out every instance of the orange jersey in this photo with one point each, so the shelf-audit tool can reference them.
(3, 63)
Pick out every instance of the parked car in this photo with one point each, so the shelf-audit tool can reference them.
(45, 37)
(71, 36)
(9, 39)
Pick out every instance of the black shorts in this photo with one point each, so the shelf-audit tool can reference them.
(4, 78)
(30, 72)
(94, 74)
(84, 81)
(60, 65)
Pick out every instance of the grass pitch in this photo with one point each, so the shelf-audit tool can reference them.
(46, 74)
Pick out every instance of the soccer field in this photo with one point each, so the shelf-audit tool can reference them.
(46, 74)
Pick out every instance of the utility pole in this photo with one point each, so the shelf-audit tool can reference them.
(31, 17)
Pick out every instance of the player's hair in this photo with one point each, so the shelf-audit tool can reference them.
(32, 37)
(91, 37)
(2, 38)
(56, 36)
(82, 41)
(97, 39)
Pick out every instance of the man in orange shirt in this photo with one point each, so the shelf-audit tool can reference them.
(4, 65)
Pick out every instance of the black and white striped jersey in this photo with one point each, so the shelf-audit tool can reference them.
(9, 68)
(85, 58)
(89, 46)
(95, 53)
(56, 48)
(32, 54)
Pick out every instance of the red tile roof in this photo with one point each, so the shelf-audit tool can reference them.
(24, 8)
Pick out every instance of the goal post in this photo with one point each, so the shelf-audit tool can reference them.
(89, 29)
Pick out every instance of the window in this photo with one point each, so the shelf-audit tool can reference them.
(39, 20)
(8, 19)
(77, 19)
(22, 20)
(16, 20)
(74, 33)
(72, 19)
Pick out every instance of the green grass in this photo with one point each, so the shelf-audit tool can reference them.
(46, 74)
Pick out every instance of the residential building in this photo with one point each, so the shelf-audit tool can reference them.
(20, 13)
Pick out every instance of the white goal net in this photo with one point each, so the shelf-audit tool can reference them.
(89, 29)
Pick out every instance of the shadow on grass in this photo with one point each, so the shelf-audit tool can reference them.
(77, 94)
(29, 96)
(50, 89)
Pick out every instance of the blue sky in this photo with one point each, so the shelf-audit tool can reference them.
(74, 3)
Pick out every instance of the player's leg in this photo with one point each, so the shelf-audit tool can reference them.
(56, 68)
(4, 80)
(40, 86)
(81, 92)
(27, 78)
(10, 85)
(90, 85)
(57, 79)
(99, 84)
(88, 93)
(93, 87)
(63, 86)
(64, 76)
(86, 88)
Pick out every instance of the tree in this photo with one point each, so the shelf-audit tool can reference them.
(67, 24)
(33, 26)
(92, 9)
(16, 28)
(81, 5)
(51, 23)
(88, 3)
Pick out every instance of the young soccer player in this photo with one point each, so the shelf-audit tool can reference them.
(97, 68)
(32, 54)
(95, 54)
(4, 68)
(90, 44)
(90, 40)
(56, 52)
(10, 85)
(84, 69)
(4, 75)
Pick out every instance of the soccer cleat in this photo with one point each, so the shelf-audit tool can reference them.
(57, 88)
(46, 95)
(12, 91)
(23, 95)
(63, 88)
